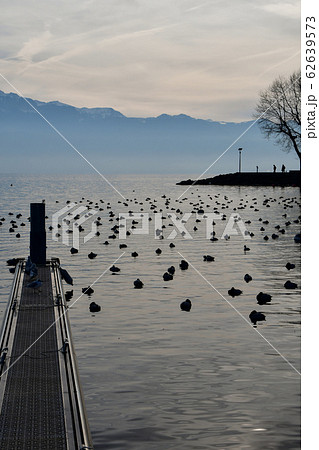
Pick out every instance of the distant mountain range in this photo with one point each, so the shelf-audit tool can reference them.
(115, 143)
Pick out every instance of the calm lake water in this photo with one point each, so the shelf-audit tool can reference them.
(155, 377)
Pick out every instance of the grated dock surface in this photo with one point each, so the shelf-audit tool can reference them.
(32, 415)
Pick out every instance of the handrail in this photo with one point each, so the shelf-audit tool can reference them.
(10, 309)
(86, 441)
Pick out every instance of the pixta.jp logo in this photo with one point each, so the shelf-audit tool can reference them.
(67, 224)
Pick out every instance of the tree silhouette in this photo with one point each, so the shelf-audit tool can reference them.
(278, 112)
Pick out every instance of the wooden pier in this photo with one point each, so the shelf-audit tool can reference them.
(40, 395)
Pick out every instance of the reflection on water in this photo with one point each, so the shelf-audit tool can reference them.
(155, 377)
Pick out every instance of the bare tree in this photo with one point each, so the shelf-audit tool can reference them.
(279, 114)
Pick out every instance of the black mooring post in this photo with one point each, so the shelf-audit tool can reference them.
(37, 233)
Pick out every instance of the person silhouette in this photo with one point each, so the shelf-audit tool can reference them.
(257, 169)
(275, 168)
(283, 168)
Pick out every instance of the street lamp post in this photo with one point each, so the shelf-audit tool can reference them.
(239, 162)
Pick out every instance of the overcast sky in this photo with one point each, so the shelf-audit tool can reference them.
(208, 59)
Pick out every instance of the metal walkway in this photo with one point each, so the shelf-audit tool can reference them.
(40, 395)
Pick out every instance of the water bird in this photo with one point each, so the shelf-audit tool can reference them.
(171, 245)
(186, 305)
(297, 238)
(183, 265)
(246, 249)
(114, 269)
(74, 250)
(247, 278)
(167, 276)
(88, 290)
(208, 258)
(262, 298)
(266, 238)
(290, 285)
(274, 236)
(234, 292)
(92, 255)
(134, 254)
(138, 284)
(68, 295)
(12, 261)
(94, 307)
(171, 270)
(158, 251)
(256, 317)
(290, 266)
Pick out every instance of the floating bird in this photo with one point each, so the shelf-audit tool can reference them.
(138, 284)
(122, 246)
(297, 238)
(290, 285)
(158, 251)
(274, 236)
(172, 245)
(92, 255)
(94, 307)
(74, 250)
(256, 316)
(68, 295)
(266, 238)
(234, 292)
(290, 266)
(114, 269)
(247, 278)
(171, 270)
(167, 276)
(13, 261)
(208, 258)
(183, 265)
(246, 249)
(88, 290)
(134, 255)
(262, 298)
(186, 305)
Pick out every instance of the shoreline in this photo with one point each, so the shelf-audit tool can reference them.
(291, 178)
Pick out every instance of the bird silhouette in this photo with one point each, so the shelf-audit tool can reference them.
(256, 317)
(290, 285)
(186, 305)
(88, 290)
(94, 307)
(138, 284)
(262, 298)
(234, 292)
(247, 278)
